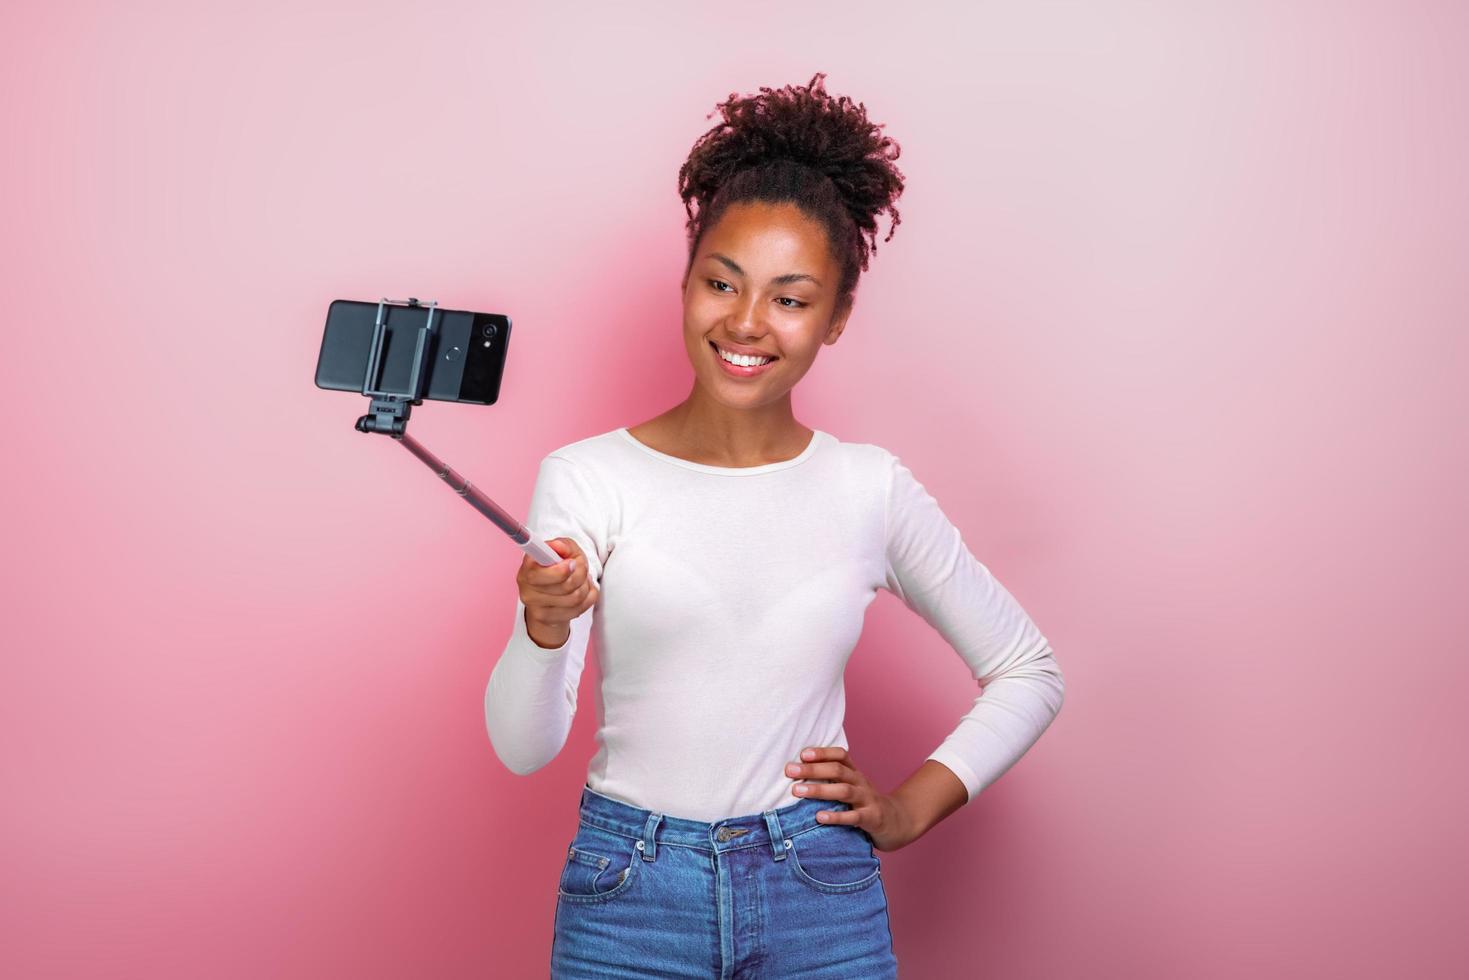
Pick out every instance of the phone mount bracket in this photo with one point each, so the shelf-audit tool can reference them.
(390, 409)
(388, 415)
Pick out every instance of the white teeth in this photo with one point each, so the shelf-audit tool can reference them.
(742, 360)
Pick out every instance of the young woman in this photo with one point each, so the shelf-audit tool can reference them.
(724, 554)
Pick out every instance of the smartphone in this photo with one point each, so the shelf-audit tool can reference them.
(465, 353)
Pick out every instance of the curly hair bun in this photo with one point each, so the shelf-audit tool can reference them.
(801, 145)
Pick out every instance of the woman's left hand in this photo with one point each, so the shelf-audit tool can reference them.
(875, 812)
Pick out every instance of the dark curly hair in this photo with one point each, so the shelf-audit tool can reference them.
(801, 146)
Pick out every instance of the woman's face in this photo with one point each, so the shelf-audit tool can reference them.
(734, 298)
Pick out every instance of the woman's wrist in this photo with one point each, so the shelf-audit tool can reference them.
(546, 636)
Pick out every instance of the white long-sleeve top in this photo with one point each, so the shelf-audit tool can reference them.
(730, 600)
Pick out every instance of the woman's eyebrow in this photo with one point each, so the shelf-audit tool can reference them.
(784, 280)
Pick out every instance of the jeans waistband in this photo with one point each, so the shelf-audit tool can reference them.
(770, 828)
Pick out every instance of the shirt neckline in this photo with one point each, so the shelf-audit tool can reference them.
(817, 437)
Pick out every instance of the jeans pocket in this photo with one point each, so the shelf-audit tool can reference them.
(834, 858)
(600, 865)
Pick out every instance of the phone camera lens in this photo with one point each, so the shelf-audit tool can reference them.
(489, 331)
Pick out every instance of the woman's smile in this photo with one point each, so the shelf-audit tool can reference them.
(736, 370)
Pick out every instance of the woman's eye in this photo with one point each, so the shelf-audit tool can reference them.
(795, 304)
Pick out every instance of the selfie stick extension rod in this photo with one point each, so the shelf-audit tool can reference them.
(389, 416)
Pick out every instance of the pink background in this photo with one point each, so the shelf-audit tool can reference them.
(1174, 327)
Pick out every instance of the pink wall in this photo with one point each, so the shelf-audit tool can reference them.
(1173, 326)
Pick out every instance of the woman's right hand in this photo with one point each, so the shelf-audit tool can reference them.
(554, 595)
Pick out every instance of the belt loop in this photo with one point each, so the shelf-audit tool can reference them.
(650, 841)
(777, 836)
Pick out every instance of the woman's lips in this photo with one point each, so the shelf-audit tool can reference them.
(734, 370)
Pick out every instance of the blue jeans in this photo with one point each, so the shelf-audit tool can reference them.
(766, 895)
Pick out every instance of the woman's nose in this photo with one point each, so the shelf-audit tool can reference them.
(747, 326)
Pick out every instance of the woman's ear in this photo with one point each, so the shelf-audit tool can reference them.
(838, 322)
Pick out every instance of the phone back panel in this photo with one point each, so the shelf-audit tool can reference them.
(465, 353)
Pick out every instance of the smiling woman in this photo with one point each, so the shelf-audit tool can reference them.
(782, 198)
(723, 811)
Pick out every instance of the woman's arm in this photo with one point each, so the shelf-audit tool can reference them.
(530, 699)
(932, 571)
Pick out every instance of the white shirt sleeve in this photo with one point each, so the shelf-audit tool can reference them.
(934, 574)
(531, 696)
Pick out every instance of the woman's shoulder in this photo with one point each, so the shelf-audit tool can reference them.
(869, 453)
(590, 451)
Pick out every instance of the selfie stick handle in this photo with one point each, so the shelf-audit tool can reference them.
(389, 416)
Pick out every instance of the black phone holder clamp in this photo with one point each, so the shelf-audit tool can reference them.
(389, 416)
(390, 409)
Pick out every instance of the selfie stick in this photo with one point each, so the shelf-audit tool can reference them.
(389, 416)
